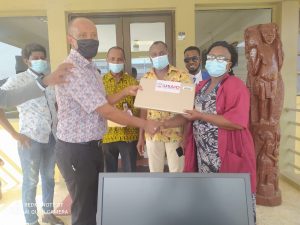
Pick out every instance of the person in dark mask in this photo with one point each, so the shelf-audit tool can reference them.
(82, 113)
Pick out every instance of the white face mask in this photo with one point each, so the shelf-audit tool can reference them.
(116, 68)
(39, 66)
(216, 68)
(160, 62)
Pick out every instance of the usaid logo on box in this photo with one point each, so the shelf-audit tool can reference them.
(168, 86)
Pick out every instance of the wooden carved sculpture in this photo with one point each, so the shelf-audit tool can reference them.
(265, 57)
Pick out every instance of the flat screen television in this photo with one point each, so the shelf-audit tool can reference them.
(174, 199)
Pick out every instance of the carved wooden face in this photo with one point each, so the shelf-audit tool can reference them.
(253, 42)
(268, 33)
(252, 37)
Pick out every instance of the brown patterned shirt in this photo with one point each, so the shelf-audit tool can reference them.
(115, 134)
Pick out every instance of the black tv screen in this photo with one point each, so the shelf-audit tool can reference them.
(174, 199)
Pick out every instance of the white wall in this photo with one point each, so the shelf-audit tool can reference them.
(7, 60)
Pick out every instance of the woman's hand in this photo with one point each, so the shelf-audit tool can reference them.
(141, 146)
(192, 115)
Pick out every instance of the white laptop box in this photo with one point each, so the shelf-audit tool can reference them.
(165, 95)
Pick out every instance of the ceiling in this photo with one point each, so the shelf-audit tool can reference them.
(211, 26)
(229, 25)
(19, 31)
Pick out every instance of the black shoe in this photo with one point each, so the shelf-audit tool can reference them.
(51, 219)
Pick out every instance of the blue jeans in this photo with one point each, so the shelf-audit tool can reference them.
(35, 159)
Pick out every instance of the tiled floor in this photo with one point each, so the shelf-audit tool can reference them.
(286, 214)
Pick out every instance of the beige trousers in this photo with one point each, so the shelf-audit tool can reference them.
(156, 152)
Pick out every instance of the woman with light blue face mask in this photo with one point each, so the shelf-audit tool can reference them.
(223, 142)
(218, 138)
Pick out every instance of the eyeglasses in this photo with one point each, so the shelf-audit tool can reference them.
(219, 58)
(193, 58)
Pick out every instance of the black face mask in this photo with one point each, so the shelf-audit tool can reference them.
(88, 48)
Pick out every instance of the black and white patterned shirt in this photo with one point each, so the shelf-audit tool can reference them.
(206, 134)
(37, 117)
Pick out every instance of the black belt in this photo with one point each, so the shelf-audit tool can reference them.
(88, 143)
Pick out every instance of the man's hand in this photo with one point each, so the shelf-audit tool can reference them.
(59, 75)
(164, 125)
(141, 146)
(151, 126)
(128, 91)
(132, 90)
(22, 139)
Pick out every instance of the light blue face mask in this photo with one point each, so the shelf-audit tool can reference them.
(215, 68)
(39, 66)
(160, 62)
(116, 68)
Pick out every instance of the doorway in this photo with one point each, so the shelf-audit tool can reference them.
(134, 33)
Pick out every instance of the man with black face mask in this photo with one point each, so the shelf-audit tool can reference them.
(192, 60)
(82, 113)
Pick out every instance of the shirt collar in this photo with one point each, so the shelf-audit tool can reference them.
(198, 74)
(110, 76)
(171, 68)
(80, 60)
(197, 77)
(33, 73)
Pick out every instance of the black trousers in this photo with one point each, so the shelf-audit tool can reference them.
(128, 153)
(80, 165)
